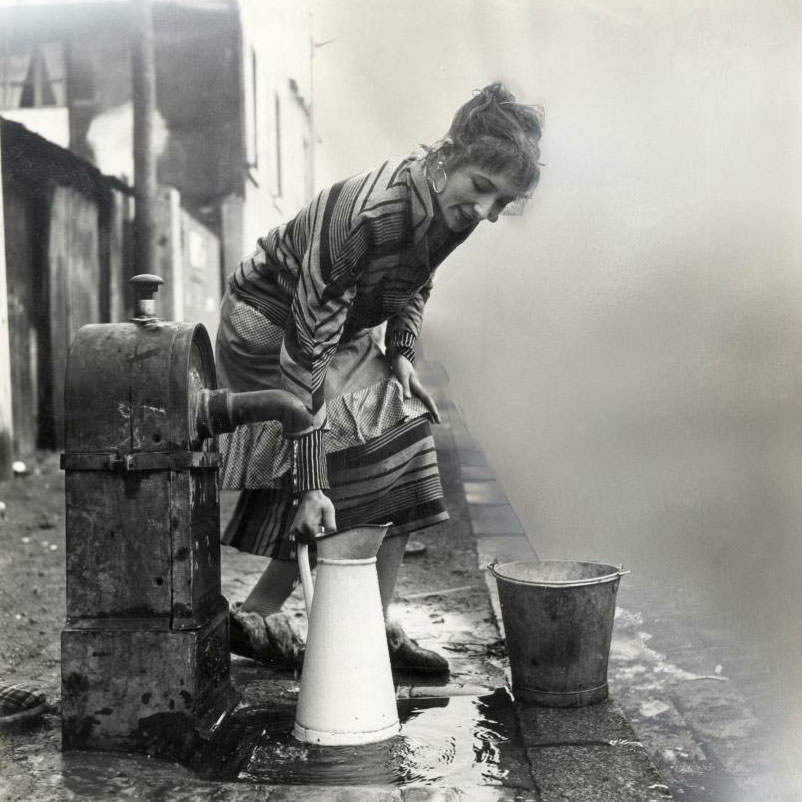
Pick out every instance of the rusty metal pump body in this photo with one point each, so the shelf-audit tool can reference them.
(145, 649)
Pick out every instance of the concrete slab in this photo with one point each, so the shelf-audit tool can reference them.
(477, 473)
(463, 439)
(617, 773)
(472, 457)
(328, 793)
(503, 548)
(657, 714)
(482, 793)
(687, 709)
(489, 492)
(600, 724)
(448, 690)
(494, 520)
(728, 728)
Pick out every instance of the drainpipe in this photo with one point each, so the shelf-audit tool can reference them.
(6, 422)
(143, 80)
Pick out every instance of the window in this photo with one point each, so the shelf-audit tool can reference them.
(309, 187)
(277, 136)
(34, 78)
(252, 113)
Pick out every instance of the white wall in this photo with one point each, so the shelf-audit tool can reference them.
(278, 33)
(627, 351)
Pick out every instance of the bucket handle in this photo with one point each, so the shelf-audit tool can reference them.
(595, 580)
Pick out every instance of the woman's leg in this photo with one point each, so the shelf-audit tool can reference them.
(405, 654)
(272, 588)
(388, 563)
(258, 629)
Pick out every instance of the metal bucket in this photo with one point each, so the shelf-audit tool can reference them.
(558, 618)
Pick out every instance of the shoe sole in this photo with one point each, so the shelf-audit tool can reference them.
(429, 672)
(265, 661)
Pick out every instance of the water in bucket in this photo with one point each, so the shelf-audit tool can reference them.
(558, 619)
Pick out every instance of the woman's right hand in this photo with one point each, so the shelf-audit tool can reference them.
(314, 516)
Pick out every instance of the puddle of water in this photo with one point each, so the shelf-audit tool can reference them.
(459, 741)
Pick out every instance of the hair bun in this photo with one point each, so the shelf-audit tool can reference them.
(498, 92)
(495, 130)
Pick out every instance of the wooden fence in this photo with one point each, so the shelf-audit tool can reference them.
(68, 234)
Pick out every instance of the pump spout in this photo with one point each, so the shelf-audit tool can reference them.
(222, 411)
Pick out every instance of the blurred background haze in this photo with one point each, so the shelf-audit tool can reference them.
(627, 351)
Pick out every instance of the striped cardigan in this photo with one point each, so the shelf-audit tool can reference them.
(361, 253)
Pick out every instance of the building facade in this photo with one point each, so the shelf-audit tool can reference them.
(233, 136)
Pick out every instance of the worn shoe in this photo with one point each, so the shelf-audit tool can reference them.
(19, 704)
(414, 548)
(269, 638)
(406, 655)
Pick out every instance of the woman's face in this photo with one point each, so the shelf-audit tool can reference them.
(473, 194)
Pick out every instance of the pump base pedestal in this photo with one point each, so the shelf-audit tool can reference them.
(150, 691)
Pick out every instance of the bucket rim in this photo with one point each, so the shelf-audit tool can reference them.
(614, 575)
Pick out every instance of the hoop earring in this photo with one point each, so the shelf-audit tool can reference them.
(437, 190)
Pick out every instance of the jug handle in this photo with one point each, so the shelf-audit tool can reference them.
(305, 571)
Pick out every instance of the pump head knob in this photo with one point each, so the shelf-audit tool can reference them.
(146, 285)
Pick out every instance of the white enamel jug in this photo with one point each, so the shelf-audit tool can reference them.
(347, 693)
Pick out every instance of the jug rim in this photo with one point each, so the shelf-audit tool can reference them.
(324, 535)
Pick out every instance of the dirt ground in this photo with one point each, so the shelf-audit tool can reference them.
(32, 566)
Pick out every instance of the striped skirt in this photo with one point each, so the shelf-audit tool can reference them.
(381, 457)
(393, 478)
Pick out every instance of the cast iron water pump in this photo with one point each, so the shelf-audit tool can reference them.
(145, 649)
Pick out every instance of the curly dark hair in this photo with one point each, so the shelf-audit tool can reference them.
(495, 132)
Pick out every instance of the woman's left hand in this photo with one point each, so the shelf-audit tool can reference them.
(404, 371)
